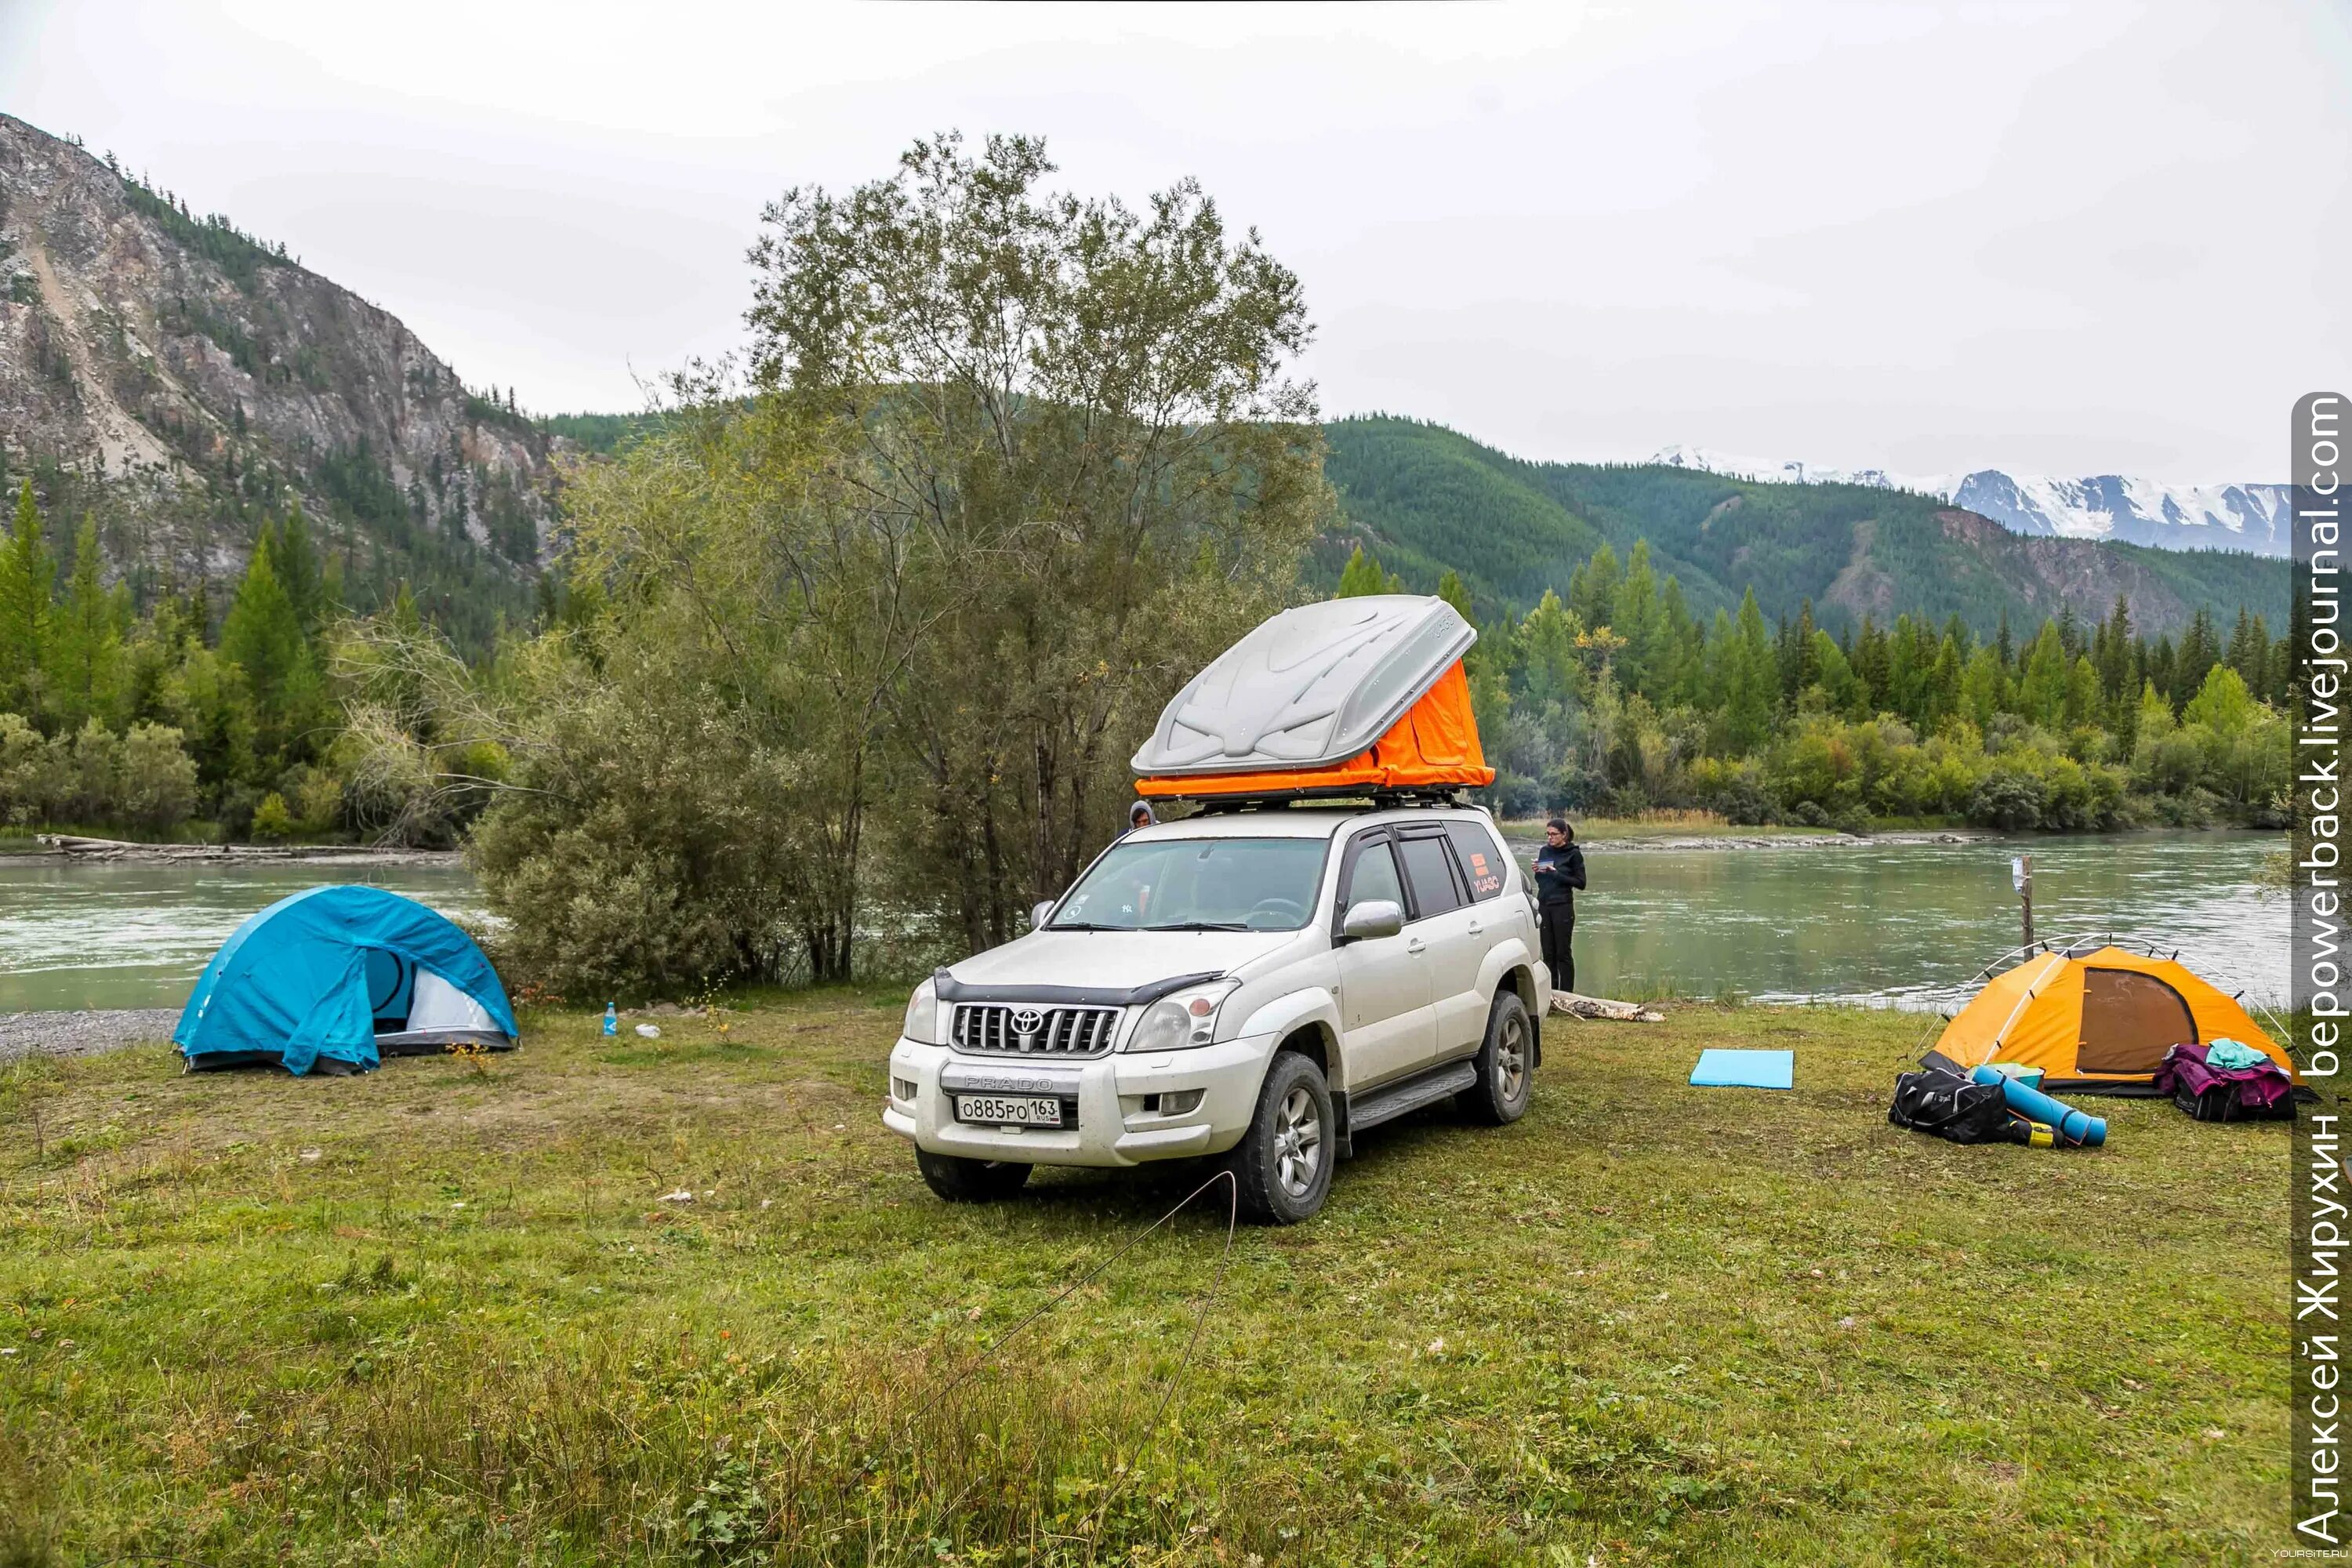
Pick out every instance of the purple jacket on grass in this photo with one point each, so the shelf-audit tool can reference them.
(2259, 1088)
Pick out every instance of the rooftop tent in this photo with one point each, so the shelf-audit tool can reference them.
(1349, 695)
(2096, 1019)
(333, 978)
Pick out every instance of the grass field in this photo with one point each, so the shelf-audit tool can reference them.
(454, 1312)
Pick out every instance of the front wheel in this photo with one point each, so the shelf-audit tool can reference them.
(963, 1181)
(1506, 1064)
(1282, 1163)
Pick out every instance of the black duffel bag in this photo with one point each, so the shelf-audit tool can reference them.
(1950, 1105)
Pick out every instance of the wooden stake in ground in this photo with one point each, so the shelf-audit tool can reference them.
(2020, 874)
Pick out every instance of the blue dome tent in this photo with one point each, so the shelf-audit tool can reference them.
(334, 978)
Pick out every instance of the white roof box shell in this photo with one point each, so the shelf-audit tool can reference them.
(1311, 686)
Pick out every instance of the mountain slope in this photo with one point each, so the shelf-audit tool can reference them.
(2105, 505)
(181, 379)
(1424, 498)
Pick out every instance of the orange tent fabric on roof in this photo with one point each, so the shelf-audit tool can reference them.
(2094, 1020)
(1433, 746)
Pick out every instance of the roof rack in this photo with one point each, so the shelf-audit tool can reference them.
(1340, 798)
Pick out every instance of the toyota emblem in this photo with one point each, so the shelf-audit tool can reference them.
(1028, 1021)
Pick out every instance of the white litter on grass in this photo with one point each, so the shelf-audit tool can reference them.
(310, 1156)
(650, 1031)
(682, 1195)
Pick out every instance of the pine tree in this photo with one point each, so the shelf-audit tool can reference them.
(2042, 692)
(2117, 675)
(1450, 588)
(1751, 678)
(1593, 588)
(1943, 695)
(1799, 665)
(1640, 617)
(2200, 649)
(1546, 641)
(2081, 692)
(262, 639)
(85, 645)
(24, 575)
(295, 559)
(1984, 686)
(1362, 575)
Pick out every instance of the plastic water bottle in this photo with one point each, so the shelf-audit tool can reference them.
(611, 1020)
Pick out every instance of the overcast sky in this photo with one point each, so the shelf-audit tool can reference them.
(2066, 237)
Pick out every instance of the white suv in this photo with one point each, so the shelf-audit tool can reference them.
(1263, 984)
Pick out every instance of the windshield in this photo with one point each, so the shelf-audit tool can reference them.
(1197, 884)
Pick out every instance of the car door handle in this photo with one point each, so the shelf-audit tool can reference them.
(1415, 945)
(1477, 930)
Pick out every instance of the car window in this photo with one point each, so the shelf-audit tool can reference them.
(1428, 868)
(1253, 884)
(1482, 860)
(1374, 876)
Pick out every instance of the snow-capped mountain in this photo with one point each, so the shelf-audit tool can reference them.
(2107, 506)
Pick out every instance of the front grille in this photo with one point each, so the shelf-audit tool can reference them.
(1013, 1028)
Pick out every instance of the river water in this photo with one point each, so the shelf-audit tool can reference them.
(1910, 924)
(132, 934)
(1906, 925)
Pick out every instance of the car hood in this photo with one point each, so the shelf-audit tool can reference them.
(1116, 959)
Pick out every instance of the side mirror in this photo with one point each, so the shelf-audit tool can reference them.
(1040, 915)
(1373, 919)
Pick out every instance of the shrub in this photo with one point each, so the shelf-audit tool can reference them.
(272, 821)
(2009, 798)
(158, 778)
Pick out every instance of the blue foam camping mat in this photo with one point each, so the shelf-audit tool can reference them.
(1745, 1069)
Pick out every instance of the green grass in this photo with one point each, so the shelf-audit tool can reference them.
(441, 1315)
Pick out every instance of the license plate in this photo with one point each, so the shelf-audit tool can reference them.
(1013, 1110)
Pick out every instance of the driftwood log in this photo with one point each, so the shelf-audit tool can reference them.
(119, 849)
(1571, 1004)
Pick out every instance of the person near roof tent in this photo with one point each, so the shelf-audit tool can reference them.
(1559, 874)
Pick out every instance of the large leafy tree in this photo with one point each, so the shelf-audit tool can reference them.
(1078, 415)
(1012, 465)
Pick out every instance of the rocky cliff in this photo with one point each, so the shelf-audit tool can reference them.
(186, 379)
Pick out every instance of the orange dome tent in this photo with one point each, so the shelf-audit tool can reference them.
(2099, 1019)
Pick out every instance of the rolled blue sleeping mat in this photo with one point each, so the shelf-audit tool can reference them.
(2071, 1125)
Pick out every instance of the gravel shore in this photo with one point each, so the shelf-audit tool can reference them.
(83, 1033)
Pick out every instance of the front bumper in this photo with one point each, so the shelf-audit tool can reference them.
(1113, 1128)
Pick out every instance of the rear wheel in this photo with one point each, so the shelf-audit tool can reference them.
(963, 1181)
(1282, 1163)
(1505, 1063)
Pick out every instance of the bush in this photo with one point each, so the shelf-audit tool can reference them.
(34, 776)
(158, 778)
(2009, 798)
(272, 820)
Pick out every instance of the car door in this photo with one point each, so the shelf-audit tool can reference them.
(1452, 936)
(1384, 997)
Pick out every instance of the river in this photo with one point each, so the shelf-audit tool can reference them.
(1898, 924)
(136, 933)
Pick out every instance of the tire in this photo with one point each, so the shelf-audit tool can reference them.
(1505, 1063)
(1282, 1163)
(963, 1181)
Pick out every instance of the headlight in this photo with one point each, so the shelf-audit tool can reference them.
(1183, 1019)
(922, 1025)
